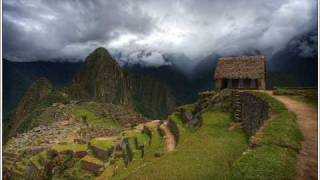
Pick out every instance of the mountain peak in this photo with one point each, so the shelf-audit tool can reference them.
(100, 54)
(101, 51)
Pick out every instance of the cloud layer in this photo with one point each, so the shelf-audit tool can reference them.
(46, 29)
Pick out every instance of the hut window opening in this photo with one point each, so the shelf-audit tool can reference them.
(241, 83)
(253, 84)
(229, 83)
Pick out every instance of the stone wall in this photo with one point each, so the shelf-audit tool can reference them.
(254, 111)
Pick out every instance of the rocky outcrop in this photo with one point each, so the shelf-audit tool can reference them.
(209, 100)
(102, 79)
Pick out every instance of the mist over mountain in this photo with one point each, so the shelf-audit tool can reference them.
(294, 65)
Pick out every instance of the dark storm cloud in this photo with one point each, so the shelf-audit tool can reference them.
(47, 29)
(44, 29)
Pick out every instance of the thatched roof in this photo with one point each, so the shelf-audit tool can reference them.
(243, 67)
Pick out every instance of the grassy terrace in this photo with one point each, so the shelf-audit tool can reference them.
(156, 146)
(69, 147)
(103, 144)
(276, 147)
(93, 119)
(207, 153)
(214, 152)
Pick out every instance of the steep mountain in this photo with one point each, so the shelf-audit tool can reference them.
(102, 79)
(298, 61)
(179, 83)
(18, 77)
(38, 92)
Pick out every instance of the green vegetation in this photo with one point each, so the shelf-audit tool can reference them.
(309, 96)
(92, 160)
(156, 147)
(187, 107)
(40, 159)
(183, 132)
(207, 153)
(69, 147)
(265, 162)
(143, 139)
(104, 144)
(75, 173)
(91, 117)
(277, 143)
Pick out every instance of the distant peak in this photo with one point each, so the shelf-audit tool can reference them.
(101, 50)
(100, 53)
(100, 56)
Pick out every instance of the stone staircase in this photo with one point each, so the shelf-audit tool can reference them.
(237, 106)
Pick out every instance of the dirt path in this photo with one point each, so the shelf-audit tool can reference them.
(169, 137)
(307, 119)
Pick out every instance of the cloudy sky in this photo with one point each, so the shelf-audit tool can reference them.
(47, 29)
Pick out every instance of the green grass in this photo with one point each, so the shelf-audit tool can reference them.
(187, 107)
(92, 160)
(265, 162)
(75, 173)
(183, 132)
(35, 161)
(69, 147)
(282, 129)
(143, 139)
(40, 160)
(309, 96)
(93, 119)
(102, 144)
(207, 153)
(276, 146)
(156, 146)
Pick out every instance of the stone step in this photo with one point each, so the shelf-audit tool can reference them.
(237, 118)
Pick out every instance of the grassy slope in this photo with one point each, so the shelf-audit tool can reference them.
(92, 117)
(156, 146)
(276, 146)
(206, 154)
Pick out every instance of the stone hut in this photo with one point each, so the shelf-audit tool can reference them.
(243, 72)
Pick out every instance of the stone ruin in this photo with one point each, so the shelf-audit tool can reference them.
(248, 110)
